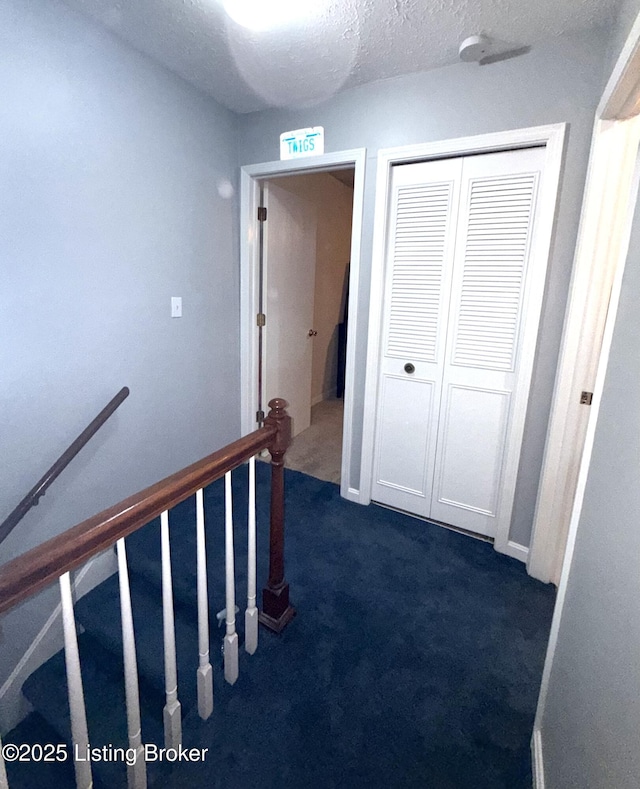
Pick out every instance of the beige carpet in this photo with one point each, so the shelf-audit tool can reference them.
(317, 451)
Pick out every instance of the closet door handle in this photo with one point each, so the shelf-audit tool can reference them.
(409, 368)
(312, 333)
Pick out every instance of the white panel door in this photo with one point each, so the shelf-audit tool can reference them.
(488, 309)
(422, 208)
(460, 243)
(289, 283)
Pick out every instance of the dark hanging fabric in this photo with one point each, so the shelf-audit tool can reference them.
(342, 336)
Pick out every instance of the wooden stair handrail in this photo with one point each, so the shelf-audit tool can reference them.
(37, 568)
(40, 488)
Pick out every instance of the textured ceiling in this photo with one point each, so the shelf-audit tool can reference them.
(353, 42)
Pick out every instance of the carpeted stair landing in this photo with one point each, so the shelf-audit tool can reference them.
(414, 661)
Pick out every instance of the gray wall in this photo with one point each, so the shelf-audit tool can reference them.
(624, 20)
(560, 80)
(591, 719)
(110, 168)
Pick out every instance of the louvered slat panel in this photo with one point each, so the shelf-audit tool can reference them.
(419, 244)
(496, 252)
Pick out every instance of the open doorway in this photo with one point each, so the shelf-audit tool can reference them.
(251, 179)
(305, 290)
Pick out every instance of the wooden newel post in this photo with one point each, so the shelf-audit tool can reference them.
(276, 611)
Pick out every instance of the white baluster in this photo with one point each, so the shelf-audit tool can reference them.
(205, 674)
(251, 614)
(136, 773)
(4, 781)
(172, 712)
(79, 731)
(231, 639)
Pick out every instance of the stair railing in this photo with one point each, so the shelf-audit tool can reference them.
(55, 559)
(40, 488)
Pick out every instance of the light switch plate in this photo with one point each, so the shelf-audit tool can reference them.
(176, 306)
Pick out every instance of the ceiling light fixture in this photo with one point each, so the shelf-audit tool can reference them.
(263, 15)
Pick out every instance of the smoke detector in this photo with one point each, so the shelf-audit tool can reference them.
(474, 48)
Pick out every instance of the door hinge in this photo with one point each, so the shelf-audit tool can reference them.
(259, 416)
(261, 319)
(262, 213)
(586, 398)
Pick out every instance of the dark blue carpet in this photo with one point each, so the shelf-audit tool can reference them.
(414, 661)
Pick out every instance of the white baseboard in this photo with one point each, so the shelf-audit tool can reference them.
(537, 763)
(13, 705)
(351, 494)
(517, 551)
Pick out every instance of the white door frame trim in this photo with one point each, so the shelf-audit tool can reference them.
(601, 242)
(250, 176)
(552, 137)
(601, 249)
(614, 160)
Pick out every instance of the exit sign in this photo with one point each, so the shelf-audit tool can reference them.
(302, 142)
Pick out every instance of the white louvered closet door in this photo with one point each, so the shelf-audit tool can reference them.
(423, 206)
(446, 446)
(486, 331)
